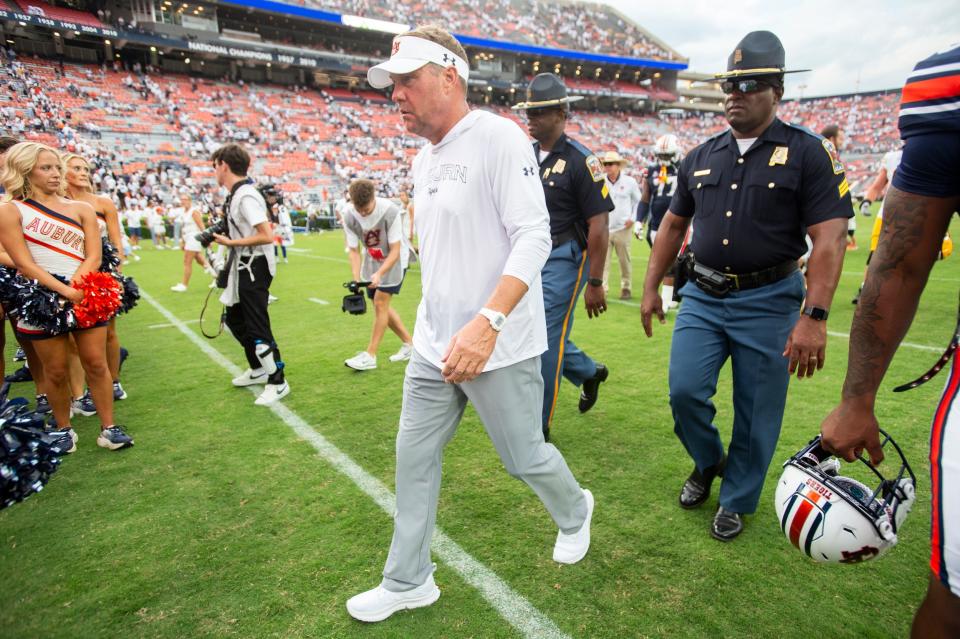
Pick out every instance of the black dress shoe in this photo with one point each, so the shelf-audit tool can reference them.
(22, 374)
(726, 524)
(591, 388)
(697, 487)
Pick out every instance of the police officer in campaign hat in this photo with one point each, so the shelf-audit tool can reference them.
(754, 190)
(579, 202)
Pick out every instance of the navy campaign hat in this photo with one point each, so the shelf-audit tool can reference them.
(759, 53)
(546, 90)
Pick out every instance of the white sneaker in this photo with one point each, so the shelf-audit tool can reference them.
(136, 258)
(251, 377)
(403, 354)
(179, 288)
(362, 361)
(271, 298)
(570, 549)
(273, 392)
(380, 603)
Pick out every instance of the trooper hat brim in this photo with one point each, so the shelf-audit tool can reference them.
(743, 73)
(546, 103)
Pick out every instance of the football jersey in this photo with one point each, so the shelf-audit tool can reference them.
(377, 232)
(930, 101)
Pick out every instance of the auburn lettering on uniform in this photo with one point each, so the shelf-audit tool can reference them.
(55, 232)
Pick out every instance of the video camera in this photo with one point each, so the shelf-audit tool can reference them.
(356, 302)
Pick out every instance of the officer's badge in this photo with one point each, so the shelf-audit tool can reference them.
(737, 56)
(779, 156)
(834, 156)
(560, 166)
(595, 168)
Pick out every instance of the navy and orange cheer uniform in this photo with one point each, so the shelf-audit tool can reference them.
(55, 242)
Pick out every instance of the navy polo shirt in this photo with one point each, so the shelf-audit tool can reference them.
(573, 184)
(751, 212)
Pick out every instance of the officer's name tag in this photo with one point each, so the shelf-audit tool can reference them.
(701, 172)
(779, 156)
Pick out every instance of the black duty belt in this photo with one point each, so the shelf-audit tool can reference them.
(720, 283)
(564, 236)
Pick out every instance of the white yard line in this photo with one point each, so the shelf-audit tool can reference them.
(319, 301)
(509, 604)
(193, 321)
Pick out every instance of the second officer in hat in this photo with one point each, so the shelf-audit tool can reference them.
(753, 191)
(579, 203)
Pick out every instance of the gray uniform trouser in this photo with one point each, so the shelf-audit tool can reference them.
(508, 401)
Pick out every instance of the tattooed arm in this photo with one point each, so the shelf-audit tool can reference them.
(913, 228)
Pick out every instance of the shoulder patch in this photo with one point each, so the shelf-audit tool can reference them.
(834, 156)
(596, 168)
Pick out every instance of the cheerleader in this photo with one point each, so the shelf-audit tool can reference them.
(78, 188)
(47, 235)
(192, 250)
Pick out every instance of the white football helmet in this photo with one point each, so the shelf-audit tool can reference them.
(667, 148)
(836, 519)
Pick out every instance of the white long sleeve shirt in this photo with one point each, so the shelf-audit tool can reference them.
(625, 193)
(481, 214)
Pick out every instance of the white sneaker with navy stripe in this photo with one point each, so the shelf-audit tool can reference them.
(272, 393)
(114, 438)
(251, 377)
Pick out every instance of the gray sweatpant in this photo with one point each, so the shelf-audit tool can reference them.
(508, 401)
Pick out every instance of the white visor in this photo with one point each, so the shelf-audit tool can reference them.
(409, 53)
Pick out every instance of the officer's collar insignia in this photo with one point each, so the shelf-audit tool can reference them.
(560, 166)
(834, 156)
(779, 156)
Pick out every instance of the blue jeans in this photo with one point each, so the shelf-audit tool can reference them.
(750, 327)
(564, 276)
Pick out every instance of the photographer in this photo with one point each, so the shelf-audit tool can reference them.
(250, 268)
(375, 223)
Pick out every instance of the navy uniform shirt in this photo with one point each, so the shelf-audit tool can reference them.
(573, 184)
(661, 185)
(751, 212)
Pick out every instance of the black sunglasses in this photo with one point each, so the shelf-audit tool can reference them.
(743, 86)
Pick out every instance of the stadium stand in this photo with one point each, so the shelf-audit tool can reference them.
(570, 25)
(311, 141)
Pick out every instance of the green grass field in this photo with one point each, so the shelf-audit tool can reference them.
(222, 522)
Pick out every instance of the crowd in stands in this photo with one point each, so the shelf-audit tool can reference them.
(579, 26)
(150, 135)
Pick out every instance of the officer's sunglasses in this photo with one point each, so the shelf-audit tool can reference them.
(743, 86)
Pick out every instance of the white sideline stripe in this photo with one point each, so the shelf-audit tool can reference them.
(922, 347)
(193, 321)
(513, 607)
(319, 301)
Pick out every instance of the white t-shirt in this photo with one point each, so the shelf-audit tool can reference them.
(376, 232)
(481, 214)
(625, 193)
(247, 210)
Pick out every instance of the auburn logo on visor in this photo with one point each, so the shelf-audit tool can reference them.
(396, 47)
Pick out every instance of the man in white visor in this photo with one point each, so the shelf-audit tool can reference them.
(485, 235)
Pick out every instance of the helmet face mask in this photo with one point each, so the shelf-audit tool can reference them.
(837, 519)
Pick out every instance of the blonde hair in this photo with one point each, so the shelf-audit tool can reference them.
(441, 36)
(65, 160)
(19, 163)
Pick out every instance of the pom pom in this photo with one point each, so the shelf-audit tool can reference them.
(101, 299)
(110, 259)
(38, 306)
(131, 294)
(29, 453)
(10, 284)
